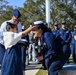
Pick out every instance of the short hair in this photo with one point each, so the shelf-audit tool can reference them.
(10, 26)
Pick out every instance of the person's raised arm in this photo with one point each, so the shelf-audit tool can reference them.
(24, 33)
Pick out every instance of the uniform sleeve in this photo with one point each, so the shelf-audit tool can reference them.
(19, 26)
(69, 37)
(50, 42)
(72, 40)
(59, 41)
(3, 27)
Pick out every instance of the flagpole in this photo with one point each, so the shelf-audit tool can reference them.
(47, 3)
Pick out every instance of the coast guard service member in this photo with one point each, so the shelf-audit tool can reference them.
(63, 41)
(54, 60)
(15, 20)
(56, 28)
(73, 45)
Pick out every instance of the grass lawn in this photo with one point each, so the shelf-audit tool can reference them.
(44, 72)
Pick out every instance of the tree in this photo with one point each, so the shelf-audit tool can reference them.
(5, 11)
(62, 10)
(33, 10)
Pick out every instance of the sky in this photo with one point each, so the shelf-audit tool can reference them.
(18, 3)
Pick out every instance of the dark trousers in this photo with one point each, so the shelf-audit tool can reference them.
(55, 63)
(2, 51)
(73, 52)
(23, 55)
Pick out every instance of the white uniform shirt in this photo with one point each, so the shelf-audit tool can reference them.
(11, 38)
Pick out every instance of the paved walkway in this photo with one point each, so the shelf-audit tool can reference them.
(31, 69)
